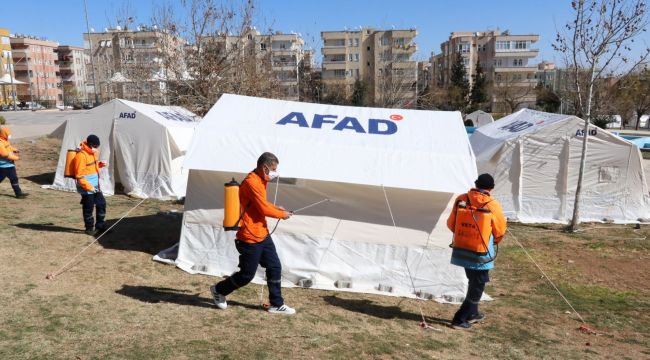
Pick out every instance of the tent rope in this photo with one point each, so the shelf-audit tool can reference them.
(546, 276)
(63, 269)
(390, 211)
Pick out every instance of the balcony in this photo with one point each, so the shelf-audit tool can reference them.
(21, 66)
(333, 51)
(524, 53)
(284, 65)
(334, 65)
(405, 49)
(515, 69)
(334, 43)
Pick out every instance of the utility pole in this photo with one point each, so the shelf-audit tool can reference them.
(92, 63)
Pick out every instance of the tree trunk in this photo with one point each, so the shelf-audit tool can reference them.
(575, 220)
(638, 120)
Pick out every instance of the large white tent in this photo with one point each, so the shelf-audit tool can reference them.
(390, 175)
(535, 158)
(144, 145)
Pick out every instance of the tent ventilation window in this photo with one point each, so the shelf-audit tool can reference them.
(608, 174)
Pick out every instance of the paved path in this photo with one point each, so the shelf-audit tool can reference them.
(27, 124)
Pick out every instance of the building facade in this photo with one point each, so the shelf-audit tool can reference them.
(35, 64)
(128, 64)
(279, 56)
(6, 67)
(72, 62)
(380, 60)
(506, 59)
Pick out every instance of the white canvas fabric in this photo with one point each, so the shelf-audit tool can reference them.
(535, 158)
(480, 118)
(349, 243)
(143, 144)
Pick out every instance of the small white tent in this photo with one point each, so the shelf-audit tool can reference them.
(535, 158)
(479, 118)
(144, 145)
(391, 176)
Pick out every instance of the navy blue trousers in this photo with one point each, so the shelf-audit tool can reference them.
(475, 287)
(10, 173)
(90, 202)
(250, 256)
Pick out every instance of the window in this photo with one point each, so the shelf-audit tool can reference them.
(399, 42)
(521, 45)
(356, 57)
(263, 46)
(502, 45)
(465, 61)
(518, 62)
(350, 42)
(463, 47)
(356, 41)
(497, 63)
(350, 57)
(385, 41)
(339, 73)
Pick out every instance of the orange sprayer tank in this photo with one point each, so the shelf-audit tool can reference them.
(473, 229)
(232, 208)
(68, 171)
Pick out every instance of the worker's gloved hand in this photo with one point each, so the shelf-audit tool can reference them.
(103, 164)
(96, 190)
(287, 215)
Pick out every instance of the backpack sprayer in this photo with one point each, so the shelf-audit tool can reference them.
(473, 229)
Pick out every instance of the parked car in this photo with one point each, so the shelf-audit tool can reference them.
(28, 105)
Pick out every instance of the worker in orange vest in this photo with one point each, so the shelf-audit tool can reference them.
(8, 157)
(478, 224)
(253, 240)
(86, 167)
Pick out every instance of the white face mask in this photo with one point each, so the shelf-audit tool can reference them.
(9, 137)
(273, 174)
(95, 150)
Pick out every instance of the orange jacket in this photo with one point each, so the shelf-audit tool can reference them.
(482, 199)
(255, 207)
(86, 167)
(6, 150)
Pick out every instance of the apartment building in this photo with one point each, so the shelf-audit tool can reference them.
(6, 67)
(35, 64)
(128, 63)
(381, 59)
(280, 56)
(506, 59)
(72, 62)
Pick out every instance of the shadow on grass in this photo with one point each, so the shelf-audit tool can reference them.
(154, 295)
(368, 307)
(149, 234)
(49, 227)
(41, 179)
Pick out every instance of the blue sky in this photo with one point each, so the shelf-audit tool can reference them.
(434, 19)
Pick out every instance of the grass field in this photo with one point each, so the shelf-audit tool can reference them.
(116, 303)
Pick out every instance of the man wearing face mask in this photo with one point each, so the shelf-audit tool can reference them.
(8, 156)
(86, 167)
(254, 242)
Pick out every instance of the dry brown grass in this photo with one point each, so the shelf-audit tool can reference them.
(117, 303)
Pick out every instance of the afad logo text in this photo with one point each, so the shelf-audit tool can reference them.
(347, 123)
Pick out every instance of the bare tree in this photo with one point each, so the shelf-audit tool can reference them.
(634, 95)
(598, 39)
(513, 91)
(224, 54)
